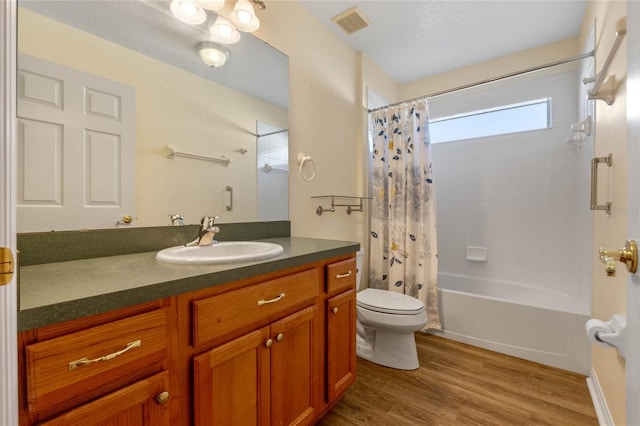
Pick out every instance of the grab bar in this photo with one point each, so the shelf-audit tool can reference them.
(594, 183)
(604, 88)
(230, 191)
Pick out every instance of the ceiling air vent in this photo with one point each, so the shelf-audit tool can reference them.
(351, 20)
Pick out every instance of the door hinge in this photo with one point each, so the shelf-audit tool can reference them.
(6, 266)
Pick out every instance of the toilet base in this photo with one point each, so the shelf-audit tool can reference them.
(394, 350)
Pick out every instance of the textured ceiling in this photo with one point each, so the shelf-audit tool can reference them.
(410, 40)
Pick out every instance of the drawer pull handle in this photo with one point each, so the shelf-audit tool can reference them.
(335, 310)
(275, 299)
(268, 343)
(84, 361)
(280, 337)
(348, 274)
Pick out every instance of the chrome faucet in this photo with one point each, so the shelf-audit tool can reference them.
(176, 219)
(206, 234)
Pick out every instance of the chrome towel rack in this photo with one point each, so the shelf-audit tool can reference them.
(604, 87)
(350, 207)
(172, 152)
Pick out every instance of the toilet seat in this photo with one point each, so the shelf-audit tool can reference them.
(389, 302)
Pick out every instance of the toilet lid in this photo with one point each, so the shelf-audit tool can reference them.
(389, 302)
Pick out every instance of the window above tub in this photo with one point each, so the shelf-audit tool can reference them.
(513, 118)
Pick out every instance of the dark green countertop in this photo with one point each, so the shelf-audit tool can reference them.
(55, 292)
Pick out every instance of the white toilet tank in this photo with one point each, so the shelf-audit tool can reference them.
(359, 259)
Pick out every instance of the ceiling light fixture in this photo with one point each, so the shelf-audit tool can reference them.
(212, 54)
(222, 31)
(188, 11)
(244, 17)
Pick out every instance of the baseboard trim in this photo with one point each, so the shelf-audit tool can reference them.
(599, 402)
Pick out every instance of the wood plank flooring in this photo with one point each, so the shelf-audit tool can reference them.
(459, 384)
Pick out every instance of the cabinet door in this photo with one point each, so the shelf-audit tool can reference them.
(138, 404)
(295, 368)
(231, 382)
(341, 343)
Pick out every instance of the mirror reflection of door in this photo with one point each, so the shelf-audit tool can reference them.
(273, 171)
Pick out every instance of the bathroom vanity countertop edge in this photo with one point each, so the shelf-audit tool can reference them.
(57, 292)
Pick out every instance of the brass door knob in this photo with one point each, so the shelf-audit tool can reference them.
(268, 343)
(162, 398)
(335, 310)
(279, 337)
(627, 255)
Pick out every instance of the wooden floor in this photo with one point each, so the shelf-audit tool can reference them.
(458, 384)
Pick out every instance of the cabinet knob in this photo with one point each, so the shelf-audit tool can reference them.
(268, 343)
(279, 337)
(162, 398)
(335, 310)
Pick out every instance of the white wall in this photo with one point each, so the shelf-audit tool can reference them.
(323, 117)
(514, 194)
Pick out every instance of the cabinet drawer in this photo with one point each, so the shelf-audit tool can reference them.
(223, 314)
(76, 367)
(341, 275)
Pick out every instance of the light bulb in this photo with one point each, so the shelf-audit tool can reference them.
(244, 17)
(188, 12)
(188, 9)
(222, 31)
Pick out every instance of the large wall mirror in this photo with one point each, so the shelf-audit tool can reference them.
(117, 115)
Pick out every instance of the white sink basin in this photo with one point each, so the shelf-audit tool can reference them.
(223, 252)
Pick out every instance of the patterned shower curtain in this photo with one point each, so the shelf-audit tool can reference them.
(403, 254)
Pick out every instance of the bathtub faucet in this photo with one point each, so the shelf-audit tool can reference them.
(207, 232)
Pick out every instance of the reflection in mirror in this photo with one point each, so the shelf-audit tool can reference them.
(273, 171)
(87, 68)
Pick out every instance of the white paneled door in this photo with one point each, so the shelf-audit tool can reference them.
(75, 147)
(633, 283)
(8, 314)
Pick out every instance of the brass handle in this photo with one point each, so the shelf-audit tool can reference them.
(84, 361)
(6, 266)
(275, 299)
(162, 398)
(126, 220)
(268, 343)
(335, 310)
(280, 337)
(627, 255)
(348, 274)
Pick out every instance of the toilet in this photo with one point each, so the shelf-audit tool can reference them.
(385, 325)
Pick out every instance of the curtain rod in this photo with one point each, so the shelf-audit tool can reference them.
(493, 79)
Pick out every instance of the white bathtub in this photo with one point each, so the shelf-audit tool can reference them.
(535, 324)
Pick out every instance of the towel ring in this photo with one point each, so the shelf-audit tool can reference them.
(302, 159)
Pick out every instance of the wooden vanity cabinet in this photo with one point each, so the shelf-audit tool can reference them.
(142, 403)
(111, 368)
(340, 330)
(268, 376)
(277, 349)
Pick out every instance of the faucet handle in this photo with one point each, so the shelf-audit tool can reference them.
(208, 221)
